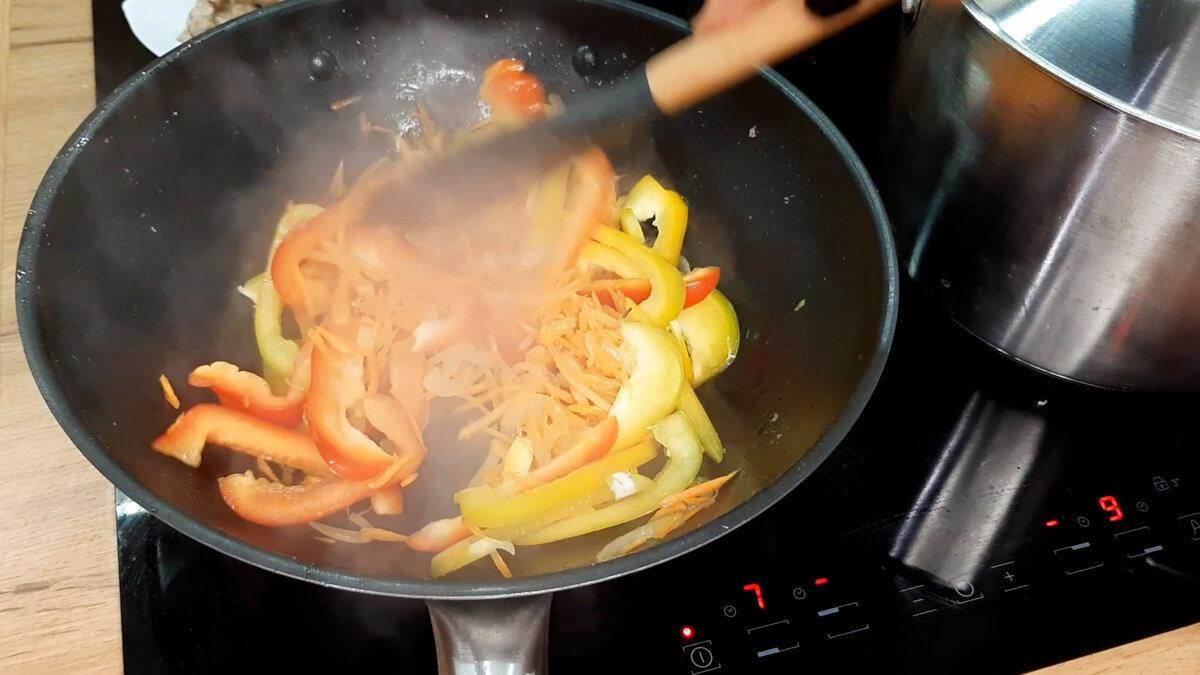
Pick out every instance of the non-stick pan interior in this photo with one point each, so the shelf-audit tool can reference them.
(165, 203)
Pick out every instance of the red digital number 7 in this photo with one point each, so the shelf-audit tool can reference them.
(757, 590)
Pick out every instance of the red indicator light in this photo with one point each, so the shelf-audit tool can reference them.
(1110, 504)
(757, 590)
(687, 632)
(821, 582)
(1051, 523)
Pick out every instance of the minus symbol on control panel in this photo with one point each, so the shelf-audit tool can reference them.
(928, 611)
(1136, 529)
(1016, 588)
(1093, 567)
(911, 588)
(1002, 564)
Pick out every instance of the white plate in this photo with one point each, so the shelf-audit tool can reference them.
(157, 24)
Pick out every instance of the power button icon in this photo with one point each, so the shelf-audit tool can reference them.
(701, 658)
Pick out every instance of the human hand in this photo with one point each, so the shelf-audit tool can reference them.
(716, 14)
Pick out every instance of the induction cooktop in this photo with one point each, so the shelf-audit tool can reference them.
(980, 517)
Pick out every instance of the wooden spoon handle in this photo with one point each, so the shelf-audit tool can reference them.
(707, 63)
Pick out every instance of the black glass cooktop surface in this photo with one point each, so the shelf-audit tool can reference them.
(978, 518)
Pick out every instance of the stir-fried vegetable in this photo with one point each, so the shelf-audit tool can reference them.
(650, 201)
(488, 507)
(711, 332)
(684, 457)
(666, 282)
(569, 338)
(278, 353)
(655, 379)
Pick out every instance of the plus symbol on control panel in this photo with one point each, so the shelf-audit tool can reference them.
(1009, 576)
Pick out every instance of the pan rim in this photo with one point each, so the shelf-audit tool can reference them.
(39, 363)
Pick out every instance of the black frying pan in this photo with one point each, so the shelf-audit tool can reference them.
(164, 201)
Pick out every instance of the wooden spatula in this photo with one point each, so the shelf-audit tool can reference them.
(690, 71)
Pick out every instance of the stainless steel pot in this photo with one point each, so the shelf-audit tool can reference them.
(1041, 165)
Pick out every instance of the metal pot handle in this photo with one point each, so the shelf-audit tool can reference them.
(508, 636)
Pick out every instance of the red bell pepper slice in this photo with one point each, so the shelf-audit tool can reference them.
(240, 431)
(697, 284)
(595, 443)
(337, 384)
(294, 290)
(246, 391)
(274, 504)
(389, 416)
(374, 248)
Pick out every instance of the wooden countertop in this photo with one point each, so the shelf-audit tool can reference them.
(59, 604)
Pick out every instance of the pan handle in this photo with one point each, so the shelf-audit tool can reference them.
(508, 636)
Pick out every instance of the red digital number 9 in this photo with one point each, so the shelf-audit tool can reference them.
(1110, 504)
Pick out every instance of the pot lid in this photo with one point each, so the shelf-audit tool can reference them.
(1139, 56)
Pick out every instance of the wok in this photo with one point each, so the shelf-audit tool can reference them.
(164, 199)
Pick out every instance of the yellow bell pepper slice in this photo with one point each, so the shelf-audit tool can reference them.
(549, 205)
(684, 356)
(479, 546)
(632, 226)
(710, 441)
(595, 254)
(278, 353)
(251, 287)
(667, 293)
(483, 507)
(655, 380)
(684, 457)
(710, 330)
(634, 312)
(649, 199)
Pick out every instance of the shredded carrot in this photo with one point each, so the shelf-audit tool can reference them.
(386, 477)
(701, 490)
(345, 103)
(501, 565)
(168, 391)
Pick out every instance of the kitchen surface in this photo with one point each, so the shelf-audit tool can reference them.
(1062, 516)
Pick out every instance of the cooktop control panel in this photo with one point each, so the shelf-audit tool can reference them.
(1088, 562)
